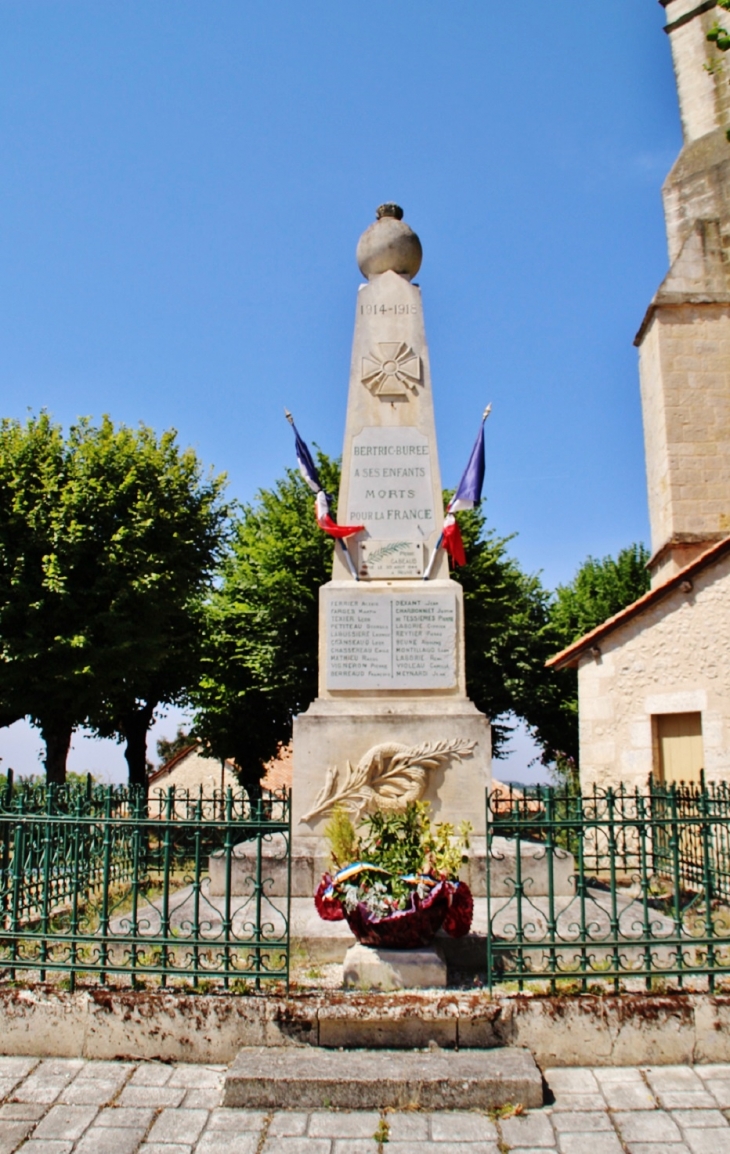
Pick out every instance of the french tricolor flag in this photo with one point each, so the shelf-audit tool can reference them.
(467, 496)
(308, 469)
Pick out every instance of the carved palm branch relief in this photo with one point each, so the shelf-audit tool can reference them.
(388, 776)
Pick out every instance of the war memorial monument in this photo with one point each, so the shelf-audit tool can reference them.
(392, 722)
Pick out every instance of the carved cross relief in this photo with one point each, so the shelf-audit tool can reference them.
(392, 370)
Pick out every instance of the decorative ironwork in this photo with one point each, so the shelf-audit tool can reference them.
(650, 881)
(106, 880)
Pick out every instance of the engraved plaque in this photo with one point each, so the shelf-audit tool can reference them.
(391, 492)
(390, 559)
(391, 641)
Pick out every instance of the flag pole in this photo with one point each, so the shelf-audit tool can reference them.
(439, 543)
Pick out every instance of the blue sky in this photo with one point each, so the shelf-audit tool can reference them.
(184, 185)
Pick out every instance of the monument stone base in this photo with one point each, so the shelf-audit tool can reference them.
(368, 968)
(359, 736)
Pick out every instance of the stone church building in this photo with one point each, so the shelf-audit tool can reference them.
(654, 681)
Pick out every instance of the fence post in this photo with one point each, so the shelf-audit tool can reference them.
(490, 957)
(707, 883)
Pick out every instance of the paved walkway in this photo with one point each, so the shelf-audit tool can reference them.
(63, 1106)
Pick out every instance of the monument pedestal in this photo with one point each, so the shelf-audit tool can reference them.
(368, 968)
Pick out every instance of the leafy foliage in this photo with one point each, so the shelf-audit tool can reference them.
(403, 844)
(167, 748)
(108, 540)
(261, 626)
(599, 589)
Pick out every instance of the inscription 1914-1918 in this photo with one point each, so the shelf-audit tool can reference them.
(387, 641)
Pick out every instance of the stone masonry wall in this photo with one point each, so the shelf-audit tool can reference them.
(673, 658)
(704, 100)
(685, 367)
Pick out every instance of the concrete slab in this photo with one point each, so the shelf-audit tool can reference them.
(285, 1078)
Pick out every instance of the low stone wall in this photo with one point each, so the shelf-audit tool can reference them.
(562, 1031)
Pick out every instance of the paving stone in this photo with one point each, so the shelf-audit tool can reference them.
(105, 1071)
(7, 1085)
(656, 1148)
(225, 1142)
(647, 1126)
(462, 1127)
(165, 1148)
(121, 1117)
(531, 1149)
(224, 1118)
(607, 1074)
(47, 1081)
(12, 1134)
(407, 1127)
(679, 1088)
(50, 1147)
(196, 1077)
(107, 1140)
(602, 1143)
(443, 1148)
(713, 1070)
(588, 1122)
(20, 1111)
(693, 1100)
(579, 1102)
(285, 1124)
(720, 1090)
(700, 1119)
(710, 1141)
(528, 1130)
(16, 1068)
(155, 1097)
(571, 1080)
(300, 1146)
(342, 1124)
(90, 1092)
(151, 1074)
(355, 1146)
(178, 1126)
(207, 1098)
(628, 1096)
(66, 1123)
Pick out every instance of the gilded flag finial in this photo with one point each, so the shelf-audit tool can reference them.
(288, 416)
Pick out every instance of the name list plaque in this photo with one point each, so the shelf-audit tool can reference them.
(387, 641)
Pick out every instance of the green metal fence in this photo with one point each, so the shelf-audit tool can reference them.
(177, 888)
(609, 887)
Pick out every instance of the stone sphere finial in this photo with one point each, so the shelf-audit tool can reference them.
(389, 245)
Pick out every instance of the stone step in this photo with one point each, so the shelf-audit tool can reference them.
(308, 1078)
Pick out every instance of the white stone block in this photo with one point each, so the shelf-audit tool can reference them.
(367, 968)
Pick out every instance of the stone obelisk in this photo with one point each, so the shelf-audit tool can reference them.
(392, 721)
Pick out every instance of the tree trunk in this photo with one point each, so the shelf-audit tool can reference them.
(134, 726)
(57, 738)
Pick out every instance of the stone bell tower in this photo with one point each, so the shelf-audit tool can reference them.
(684, 340)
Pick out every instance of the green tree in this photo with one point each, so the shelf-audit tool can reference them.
(599, 589)
(261, 636)
(108, 543)
(260, 661)
(168, 748)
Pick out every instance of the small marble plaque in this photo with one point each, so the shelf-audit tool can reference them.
(390, 559)
(391, 641)
(391, 491)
